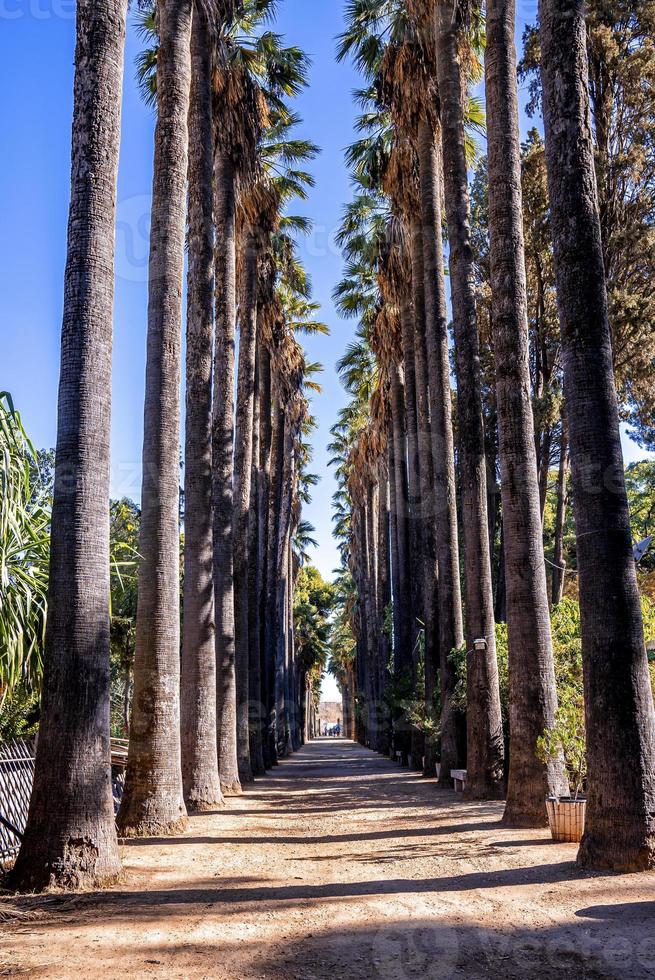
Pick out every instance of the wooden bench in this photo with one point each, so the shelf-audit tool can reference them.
(119, 747)
(459, 777)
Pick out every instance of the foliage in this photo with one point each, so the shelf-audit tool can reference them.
(19, 715)
(567, 738)
(24, 555)
(313, 604)
(568, 734)
(124, 522)
(621, 57)
(640, 484)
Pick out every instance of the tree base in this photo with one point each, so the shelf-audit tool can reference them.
(77, 868)
(484, 791)
(204, 805)
(232, 789)
(152, 828)
(599, 854)
(525, 817)
(246, 777)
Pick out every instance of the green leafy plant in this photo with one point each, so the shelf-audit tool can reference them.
(567, 738)
(24, 557)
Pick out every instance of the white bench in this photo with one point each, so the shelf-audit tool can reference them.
(459, 777)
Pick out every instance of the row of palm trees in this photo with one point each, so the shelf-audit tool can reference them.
(226, 167)
(413, 496)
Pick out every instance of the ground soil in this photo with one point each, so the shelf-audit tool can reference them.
(341, 865)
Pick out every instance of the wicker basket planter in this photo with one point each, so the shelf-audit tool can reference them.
(566, 817)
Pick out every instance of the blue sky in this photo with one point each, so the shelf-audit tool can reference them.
(36, 71)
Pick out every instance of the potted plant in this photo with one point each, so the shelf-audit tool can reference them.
(566, 814)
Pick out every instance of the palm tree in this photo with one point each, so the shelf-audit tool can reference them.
(260, 207)
(153, 800)
(533, 698)
(257, 73)
(198, 670)
(222, 455)
(484, 722)
(74, 843)
(620, 828)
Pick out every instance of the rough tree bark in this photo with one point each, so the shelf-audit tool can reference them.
(222, 461)
(559, 563)
(153, 801)
(200, 779)
(242, 497)
(425, 510)
(533, 696)
(620, 827)
(484, 722)
(256, 545)
(74, 843)
(414, 517)
(451, 628)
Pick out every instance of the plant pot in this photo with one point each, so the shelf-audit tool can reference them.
(566, 818)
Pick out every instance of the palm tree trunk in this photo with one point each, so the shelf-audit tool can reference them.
(242, 499)
(200, 777)
(222, 453)
(533, 697)
(74, 843)
(451, 630)
(372, 513)
(384, 599)
(620, 827)
(559, 564)
(414, 502)
(256, 533)
(403, 667)
(424, 509)
(266, 439)
(484, 722)
(270, 626)
(282, 586)
(153, 800)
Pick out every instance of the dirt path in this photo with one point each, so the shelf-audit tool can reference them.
(342, 866)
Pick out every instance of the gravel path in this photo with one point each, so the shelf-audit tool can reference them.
(341, 865)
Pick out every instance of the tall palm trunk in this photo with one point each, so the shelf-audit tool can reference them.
(451, 630)
(403, 667)
(282, 587)
(256, 539)
(383, 601)
(533, 697)
(620, 828)
(270, 626)
(266, 439)
(153, 801)
(425, 514)
(484, 723)
(242, 499)
(371, 518)
(414, 498)
(559, 567)
(222, 462)
(74, 842)
(198, 671)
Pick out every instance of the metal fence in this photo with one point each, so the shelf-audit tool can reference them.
(16, 776)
